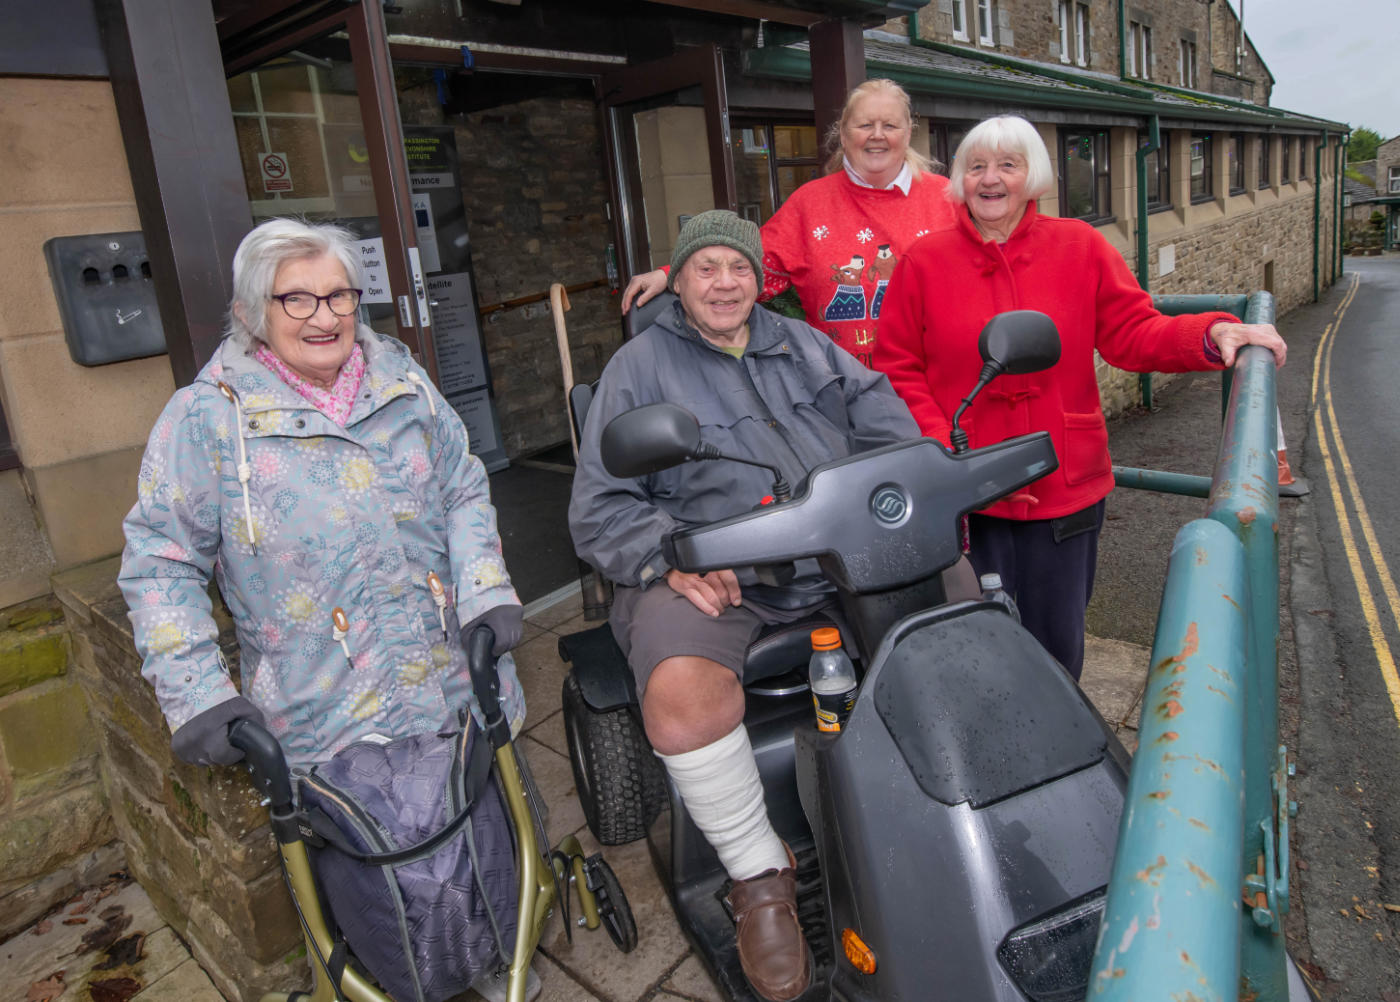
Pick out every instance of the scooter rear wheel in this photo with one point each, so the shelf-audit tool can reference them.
(619, 781)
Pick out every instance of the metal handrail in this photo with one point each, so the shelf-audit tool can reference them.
(1204, 827)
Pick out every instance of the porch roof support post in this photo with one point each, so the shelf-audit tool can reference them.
(177, 128)
(838, 64)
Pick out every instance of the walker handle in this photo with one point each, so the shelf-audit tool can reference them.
(487, 684)
(265, 761)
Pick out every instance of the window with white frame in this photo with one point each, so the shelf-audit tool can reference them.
(960, 20)
(986, 22)
(1394, 180)
(1073, 21)
(1139, 50)
(1186, 64)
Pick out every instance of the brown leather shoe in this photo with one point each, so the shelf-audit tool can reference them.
(772, 950)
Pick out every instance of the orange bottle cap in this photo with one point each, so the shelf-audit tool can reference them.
(827, 638)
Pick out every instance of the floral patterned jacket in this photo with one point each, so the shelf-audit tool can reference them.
(349, 518)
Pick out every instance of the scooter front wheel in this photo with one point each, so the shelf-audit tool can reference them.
(619, 780)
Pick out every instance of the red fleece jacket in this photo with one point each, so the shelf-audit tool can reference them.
(949, 285)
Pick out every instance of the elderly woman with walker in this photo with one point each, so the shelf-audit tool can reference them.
(1002, 254)
(329, 489)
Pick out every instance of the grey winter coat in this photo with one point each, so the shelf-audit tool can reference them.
(794, 400)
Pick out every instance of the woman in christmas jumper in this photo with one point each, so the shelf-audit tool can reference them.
(836, 240)
(1003, 255)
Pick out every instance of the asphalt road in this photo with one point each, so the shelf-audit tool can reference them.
(1345, 609)
(1337, 715)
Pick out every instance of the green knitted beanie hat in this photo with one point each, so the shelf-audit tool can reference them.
(717, 227)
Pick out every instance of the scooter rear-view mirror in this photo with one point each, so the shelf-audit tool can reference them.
(1020, 341)
(1015, 342)
(649, 439)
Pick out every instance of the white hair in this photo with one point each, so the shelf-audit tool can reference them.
(262, 253)
(1004, 134)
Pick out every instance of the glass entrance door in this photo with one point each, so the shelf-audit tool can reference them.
(319, 136)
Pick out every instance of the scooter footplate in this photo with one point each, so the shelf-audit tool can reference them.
(709, 926)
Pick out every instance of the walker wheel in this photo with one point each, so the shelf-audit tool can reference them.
(613, 909)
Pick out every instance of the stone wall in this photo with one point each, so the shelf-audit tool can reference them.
(1256, 241)
(79, 433)
(57, 834)
(197, 839)
(537, 214)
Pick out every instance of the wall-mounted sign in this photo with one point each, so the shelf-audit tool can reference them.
(276, 172)
(376, 275)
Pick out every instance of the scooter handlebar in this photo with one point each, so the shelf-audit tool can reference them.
(879, 520)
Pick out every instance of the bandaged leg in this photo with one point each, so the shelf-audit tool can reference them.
(721, 789)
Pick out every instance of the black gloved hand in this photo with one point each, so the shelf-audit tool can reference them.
(507, 622)
(203, 739)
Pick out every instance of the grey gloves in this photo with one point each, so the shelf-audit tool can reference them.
(203, 739)
(507, 622)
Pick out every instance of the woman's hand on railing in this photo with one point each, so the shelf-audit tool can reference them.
(1231, 337)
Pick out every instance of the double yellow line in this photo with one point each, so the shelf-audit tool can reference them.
(1325, 419)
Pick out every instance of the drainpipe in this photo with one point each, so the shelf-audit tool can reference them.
(1340, 157)
(1317, 209)
(1122, 41)
(1154, 139)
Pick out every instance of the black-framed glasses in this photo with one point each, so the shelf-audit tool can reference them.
(303, 305)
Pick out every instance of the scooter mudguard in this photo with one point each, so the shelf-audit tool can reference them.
(973, 793)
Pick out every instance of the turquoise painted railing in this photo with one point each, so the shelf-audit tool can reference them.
(1200, 879)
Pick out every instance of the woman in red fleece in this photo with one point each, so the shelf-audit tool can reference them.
(836, 240)
(1003, 255)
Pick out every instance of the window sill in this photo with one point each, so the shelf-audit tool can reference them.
(1238, 191)
(1155, 207)
(1098, 220)
(9, 460)
(1202, 199)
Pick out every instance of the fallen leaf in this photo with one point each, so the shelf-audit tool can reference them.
(80, 908)
(1302, 864)
(47, 990)
(1389, 907)
(1361, 913)
(44, 925)
(1345, 913)
(123, 953)
(79, 920)
(113, 989)
(1390, 996)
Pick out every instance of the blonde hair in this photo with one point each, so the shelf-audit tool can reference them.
(1009, 134)
(917, 162)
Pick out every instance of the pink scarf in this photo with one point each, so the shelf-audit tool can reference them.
(336, 402)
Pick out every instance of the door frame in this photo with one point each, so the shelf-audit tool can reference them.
(702, 66)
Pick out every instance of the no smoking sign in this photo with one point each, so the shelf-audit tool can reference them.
(276, 174)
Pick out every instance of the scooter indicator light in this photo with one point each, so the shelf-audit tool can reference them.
(862, 958)
(766, 500)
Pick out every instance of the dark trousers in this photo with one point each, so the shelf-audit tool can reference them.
(1047, 566)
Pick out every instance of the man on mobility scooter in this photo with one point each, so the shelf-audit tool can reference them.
(776, 392)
